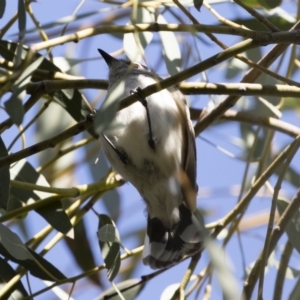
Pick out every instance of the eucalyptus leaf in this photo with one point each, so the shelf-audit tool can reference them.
(52, 213)
(253, 24)
(129, 289)
(110, 199)
(108, 233)
(295, 294)
(71, 100)
(270, 4)
(104, 120)
(21, 17)
(4, 178)
(11, 242)
(249, 135)
(293, 228)
(223, 270)
(13, 248)
(171, 50)
(292, 175)
(2, 7)
(134, 44)
(81, 249)
(6, 274)
(110, 250)
(14, 105)
(38, 272)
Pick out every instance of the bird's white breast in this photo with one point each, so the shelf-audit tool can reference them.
(151, 171)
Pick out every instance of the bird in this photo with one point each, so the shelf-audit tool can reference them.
(153, 147)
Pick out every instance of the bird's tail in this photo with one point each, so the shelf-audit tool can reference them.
(165, 247)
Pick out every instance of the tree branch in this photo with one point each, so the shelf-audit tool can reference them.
(262, 37)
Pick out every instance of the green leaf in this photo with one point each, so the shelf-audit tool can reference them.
(110, 199)
(71, 100)
(13, 248)
(293, 228)
(134, 44)
(80, 248)
(52, 213)
(228, 283)
(248, 134)
(171, 50)
(108, 233)
(6, 274)
(130, 289)
(251, 3)
(14, 105)
(291, 175)
(110, 250)
(56, 216)
(38, 272)
(270, 4)
(104, 120)
(295, 294)
(2, 7)
(4, 178)
(277, 20)
(21, 17)
(13, 244)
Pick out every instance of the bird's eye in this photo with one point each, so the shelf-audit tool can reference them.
(136, 66)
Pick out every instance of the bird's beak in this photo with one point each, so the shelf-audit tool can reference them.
(108, 58)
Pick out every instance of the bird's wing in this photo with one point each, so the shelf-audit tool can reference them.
(189, 159)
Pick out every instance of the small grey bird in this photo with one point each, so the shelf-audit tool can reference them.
(154, 148)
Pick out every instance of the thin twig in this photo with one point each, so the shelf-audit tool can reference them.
(262, 37)
(49, 143)
(282, 269)
(284, 220)
(265, 251)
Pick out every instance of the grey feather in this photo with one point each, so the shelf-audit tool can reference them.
(165, 175)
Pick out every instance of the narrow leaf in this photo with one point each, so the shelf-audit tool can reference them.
(4, 178)
(111, 199)
(293, 228)
(104, 120)
(6, 274)
(108, 233)
(295, 294)
(135, 43)
(2, 7)
(130, 289)
(53, 213)
(13, 244)
(13, 248)
(81, 249)
(71, 100)
(220, 263)
(14, 105)
(110, 250)
(171, 50)
(21, 17)
(38, 272)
